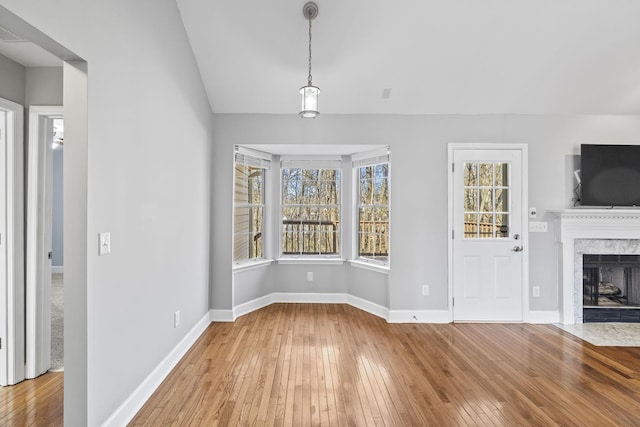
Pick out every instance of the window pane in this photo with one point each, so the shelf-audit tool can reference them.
(470, 174)
(486, 174)
(502, 225)
(502, 200)
(310, 211)
(470, 225)
(501, 175)
(485, 227)
(486, 200)
(373, 212)
(470, 200)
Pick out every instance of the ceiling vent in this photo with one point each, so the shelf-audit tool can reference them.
(7, 35)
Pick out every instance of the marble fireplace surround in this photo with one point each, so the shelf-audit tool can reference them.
(590, 231)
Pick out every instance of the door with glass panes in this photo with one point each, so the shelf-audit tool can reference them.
(487, 235)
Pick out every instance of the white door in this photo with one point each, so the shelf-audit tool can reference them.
(487, 235)
(3, 250)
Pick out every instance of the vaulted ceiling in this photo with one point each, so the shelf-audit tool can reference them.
(436, 56)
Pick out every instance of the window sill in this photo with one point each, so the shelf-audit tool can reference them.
(370, 266)
(310, 261)
(250, 265)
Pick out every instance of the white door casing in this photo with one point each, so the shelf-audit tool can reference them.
(12, 243)
(39, 231)
(488, 236)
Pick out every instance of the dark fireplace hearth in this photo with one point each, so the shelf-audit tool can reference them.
(611, 288)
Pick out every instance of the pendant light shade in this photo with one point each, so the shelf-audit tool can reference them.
(309, 92)
(309, 102)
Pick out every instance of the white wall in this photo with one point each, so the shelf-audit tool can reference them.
(419, 224)
(148, 158)
(57, 210)
(12, 80)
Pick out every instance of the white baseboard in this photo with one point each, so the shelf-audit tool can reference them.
(221, 316)
(308, 297)
(130, 407)
(57, 268)
(418, 316)
(368, 306)
(253, 305)
(543, 317)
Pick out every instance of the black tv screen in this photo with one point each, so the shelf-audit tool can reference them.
(610, 175)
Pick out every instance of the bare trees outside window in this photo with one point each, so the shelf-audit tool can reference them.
(373, 212)
(310, 211)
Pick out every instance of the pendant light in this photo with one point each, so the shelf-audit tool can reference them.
(309, 92)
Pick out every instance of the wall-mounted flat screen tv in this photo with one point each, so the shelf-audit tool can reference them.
(610, 175)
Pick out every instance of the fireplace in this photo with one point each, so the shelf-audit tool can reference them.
(582, 232)
(611, 288)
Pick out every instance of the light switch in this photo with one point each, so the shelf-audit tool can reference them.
(104, 243)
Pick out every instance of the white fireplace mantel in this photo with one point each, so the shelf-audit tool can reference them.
(582, 223)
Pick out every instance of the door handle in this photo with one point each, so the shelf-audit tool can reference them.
(517, 249)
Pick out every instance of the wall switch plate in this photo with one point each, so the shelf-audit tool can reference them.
(536, 291)
(309, 276)
(104, 244)
(176, 319)
(533, 212)
(425, 290)
(538, 227)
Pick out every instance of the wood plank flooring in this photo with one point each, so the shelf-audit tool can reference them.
(316, 364)
(324, 364)
(36, 402)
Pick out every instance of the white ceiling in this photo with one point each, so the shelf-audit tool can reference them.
(436, 56)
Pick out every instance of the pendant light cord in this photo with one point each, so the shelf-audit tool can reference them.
(309, 79)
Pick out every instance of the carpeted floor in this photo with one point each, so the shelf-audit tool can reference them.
(57, 322)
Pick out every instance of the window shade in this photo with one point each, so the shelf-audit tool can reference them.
(371, 158)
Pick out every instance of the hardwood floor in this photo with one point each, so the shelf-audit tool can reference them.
(316, 364)
(36, 402)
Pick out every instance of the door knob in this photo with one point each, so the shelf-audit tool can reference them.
(517, 249)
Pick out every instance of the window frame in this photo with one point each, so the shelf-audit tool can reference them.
(260, 160)
(312, 163)
(359, 161)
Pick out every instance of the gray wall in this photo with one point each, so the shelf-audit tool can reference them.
(419, 224)
(12, 80)
(44, 86)
(148, 183)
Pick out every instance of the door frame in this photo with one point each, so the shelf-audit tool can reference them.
(12, 298)
(523, 148)
(38, 232)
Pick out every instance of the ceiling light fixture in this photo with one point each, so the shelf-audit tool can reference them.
(309, 92)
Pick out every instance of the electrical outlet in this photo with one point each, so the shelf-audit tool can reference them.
(536, 291)
(425, 290)
(309, 276)
(176, 319)
(538, 227)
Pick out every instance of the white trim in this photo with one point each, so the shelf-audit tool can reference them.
(310, 297)
(250, 265)
(368, 306)
(216, 315)
(304, 259)
(57, 268)
(12, 353)
(130, 407)
(543, 317)
(38, 244)
(418, 316)
(371, 265)
(253, 305)
(524, 234)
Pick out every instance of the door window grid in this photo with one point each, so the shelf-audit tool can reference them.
(486, 200)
